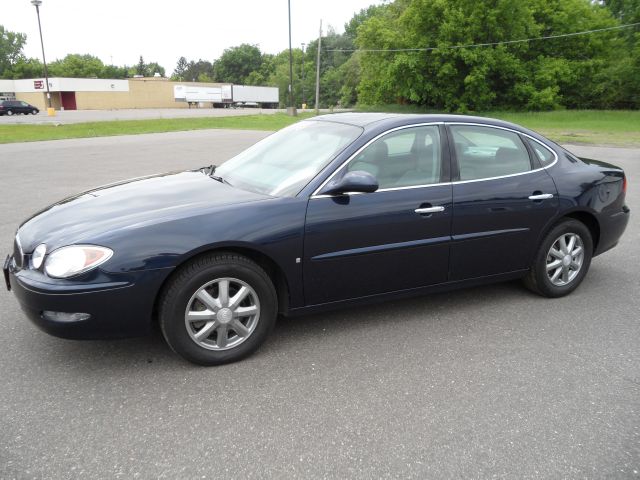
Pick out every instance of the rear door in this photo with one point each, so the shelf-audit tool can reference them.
(502, 199)
(394, 239)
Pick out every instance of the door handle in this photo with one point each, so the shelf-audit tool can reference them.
(541, 196)
(429, 210)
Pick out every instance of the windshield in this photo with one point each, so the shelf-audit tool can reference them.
(283, 163)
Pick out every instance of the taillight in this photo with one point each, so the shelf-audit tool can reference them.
(624, 184)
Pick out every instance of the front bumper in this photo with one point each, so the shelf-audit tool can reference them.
(118, 305)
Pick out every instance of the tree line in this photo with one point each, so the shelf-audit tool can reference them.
(445, 55)
(15, 65)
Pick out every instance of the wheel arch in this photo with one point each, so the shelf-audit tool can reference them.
(584, 217)
(273, 270)
(590, 221)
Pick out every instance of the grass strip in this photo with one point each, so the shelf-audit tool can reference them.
(33, 133)
(602, 127)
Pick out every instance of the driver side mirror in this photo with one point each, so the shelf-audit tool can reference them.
(357, 181)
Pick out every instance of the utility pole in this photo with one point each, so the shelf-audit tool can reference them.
(37, 3)
(304, 101)
(318, 69)
(292, 109)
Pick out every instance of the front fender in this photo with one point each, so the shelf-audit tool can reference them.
(273, 227)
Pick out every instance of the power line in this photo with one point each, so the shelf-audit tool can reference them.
(490, 44)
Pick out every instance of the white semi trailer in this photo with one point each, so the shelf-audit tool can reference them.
(228, 95)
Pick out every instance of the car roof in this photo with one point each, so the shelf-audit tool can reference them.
(367, 120)
(357, 119)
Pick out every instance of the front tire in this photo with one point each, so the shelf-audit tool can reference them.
(218, 309)
(562, 260)
(34, 112)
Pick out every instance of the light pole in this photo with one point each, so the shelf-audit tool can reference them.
(292, 109)
(37, 3)
(302, 74)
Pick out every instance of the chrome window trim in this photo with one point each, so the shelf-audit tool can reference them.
(352, 157)
(357, 152)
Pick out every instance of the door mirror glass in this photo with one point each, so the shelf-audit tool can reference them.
(357, 181)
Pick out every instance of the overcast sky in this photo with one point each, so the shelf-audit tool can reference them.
(119, 31)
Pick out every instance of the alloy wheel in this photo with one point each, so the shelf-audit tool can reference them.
(564, 259)
(222, 314)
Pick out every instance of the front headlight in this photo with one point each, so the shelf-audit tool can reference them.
(75, 259)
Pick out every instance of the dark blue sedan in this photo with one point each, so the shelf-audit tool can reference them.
(337, 210)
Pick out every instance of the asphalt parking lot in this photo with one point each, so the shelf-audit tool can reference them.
(80, 116)
(480, 383)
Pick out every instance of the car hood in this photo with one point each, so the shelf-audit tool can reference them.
(129, 205)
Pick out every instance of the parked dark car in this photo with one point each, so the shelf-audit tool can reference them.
(11, 107)
(336, 210)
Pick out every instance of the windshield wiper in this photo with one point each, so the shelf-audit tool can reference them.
(210, 170)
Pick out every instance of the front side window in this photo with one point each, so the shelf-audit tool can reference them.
(283, 163)
(487, 152)
(404, 158)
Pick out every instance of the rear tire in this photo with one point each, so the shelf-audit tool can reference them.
(562, 260)
(9, 112)
(218, 309)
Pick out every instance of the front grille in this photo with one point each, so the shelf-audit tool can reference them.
(18, 256)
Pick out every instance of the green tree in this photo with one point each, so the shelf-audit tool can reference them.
(155, 67)
(236, 63)
(201, 71)
(336, 52)
(25, 68)
(77, 66)
(181, 68)
(11, 44)
(533, 75)
(141, 68)
(621, 81)
(627, 11)
(114, 71)
(351, 27)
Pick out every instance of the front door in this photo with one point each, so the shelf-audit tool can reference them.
(394, 239)
(501, 202)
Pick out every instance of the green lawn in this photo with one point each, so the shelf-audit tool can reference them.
(33, 133)
(604, 127)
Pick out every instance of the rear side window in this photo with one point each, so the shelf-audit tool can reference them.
(543, 154)
(487, 152)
